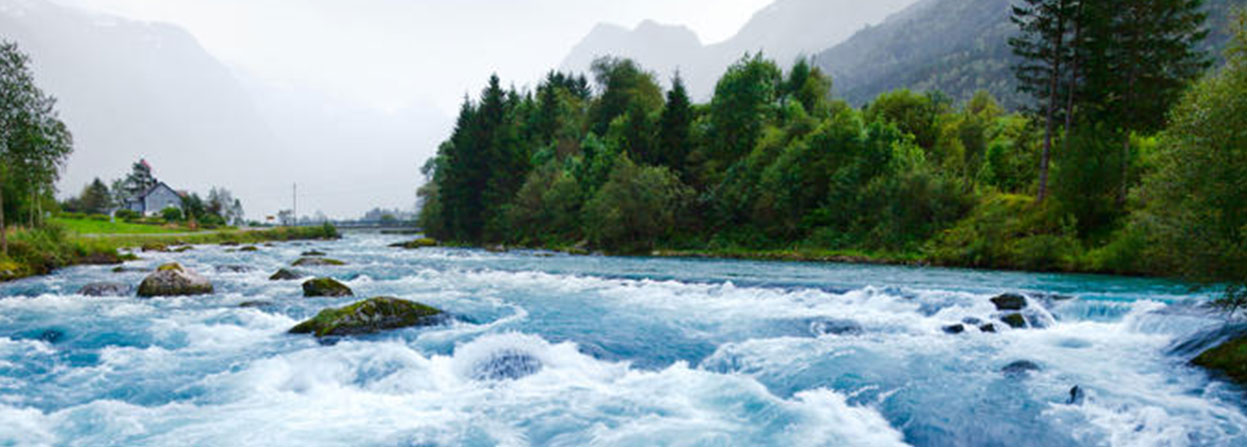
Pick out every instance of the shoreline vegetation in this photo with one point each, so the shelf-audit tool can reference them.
(40, 251)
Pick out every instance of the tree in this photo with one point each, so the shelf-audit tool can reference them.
(1042, 47)
(744, 99)
(1140, 55)
(34, 143)
(139, 180)
(625, 86)
(1196, 199)
(638, 205)
(221, 202)
(673, 128)
(95, 198)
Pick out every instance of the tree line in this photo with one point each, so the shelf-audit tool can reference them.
(220, 207)
(1081, 180)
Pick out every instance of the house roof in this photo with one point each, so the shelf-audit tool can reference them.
(155, 187)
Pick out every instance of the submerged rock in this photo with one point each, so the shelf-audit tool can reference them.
(174, 280)
(106, 289)
(249, 248)
(1014, 320)
(183, 249)
(418, 243)
(1229, 358)
(255, 304)
(971, 321)
(124, 269)
(506, 365)
(1020, 368)
(285, 275)
(954, 329)
(1076, 396)
(369, 316)
(317, 262)
(328, 287)
(312, 253)
(1009, 301)
(234, 268)
(988, 328)
(828, 326)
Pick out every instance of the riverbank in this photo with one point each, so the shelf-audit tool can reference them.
(41, 251)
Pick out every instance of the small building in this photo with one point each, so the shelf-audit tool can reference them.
(155, 200)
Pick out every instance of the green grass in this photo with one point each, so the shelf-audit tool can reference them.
(97, 227)
(42, 250)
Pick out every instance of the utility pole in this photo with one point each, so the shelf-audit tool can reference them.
(294, 210)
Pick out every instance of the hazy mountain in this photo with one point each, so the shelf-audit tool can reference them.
(955, 46)
(783, 31)
(131, 90)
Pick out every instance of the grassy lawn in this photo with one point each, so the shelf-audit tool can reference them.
(91, 226)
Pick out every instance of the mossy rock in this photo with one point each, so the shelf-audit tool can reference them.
(285, 275)
(418, 243)
(1016, 321)
(313, 253)
(1009, 301)
(369, 316)
(317, 262)
(1229, 358)
(249, 248)
(325, 287)
(183, 249)
(174, 280)
(156, 247)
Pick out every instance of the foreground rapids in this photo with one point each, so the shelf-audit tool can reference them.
(554, 350)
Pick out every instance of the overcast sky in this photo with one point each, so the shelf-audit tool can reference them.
(391, 54)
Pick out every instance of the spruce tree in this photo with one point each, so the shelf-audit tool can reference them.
(1043, 48)
(673, 127)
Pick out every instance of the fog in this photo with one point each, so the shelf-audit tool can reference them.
(346, 99)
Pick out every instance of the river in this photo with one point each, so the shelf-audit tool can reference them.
(555, 350)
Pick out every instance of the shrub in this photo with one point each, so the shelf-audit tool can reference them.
(1010, 231)
(125, 214)
(171, 214)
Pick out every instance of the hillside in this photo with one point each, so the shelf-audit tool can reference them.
(955, 46)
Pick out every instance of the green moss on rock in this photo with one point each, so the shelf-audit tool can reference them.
(174, 280)
(369, 316)
(1015, 321)
(418, 243)
(325, 287)
(315, 262)
(1230, 358)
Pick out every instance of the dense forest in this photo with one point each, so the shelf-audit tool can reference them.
(1092, 176)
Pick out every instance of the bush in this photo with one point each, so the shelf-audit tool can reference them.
(1010, 231)
(126, 214)
(635, 208)
(171, 214)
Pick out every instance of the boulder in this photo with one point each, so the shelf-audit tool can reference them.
(317, 262)
(285, 275)
(312, 253)
(234, 268)
(174, 280)
(156, 247)
(1014, 320)
(1009, 301)
(954, 329)
(183, 249)
(327, 287)
(369, 316)
(1229, 358)
(101, 258)
(106, 289)
(255, 304)
(988, 328)
(1020, 368)
(249, 248)
(418, 243)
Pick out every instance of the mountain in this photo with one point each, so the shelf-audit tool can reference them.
(954, 46)
(130, 90)
(783, 31)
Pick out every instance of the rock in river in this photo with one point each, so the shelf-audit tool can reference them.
(174, 280)
(285, 275)
(1009, 301)
(317, 262)
(106, 289)
(1014, 320)
(326, 287)
(369, 316)
(418, 243)
(1020, 368)
(1230, 358)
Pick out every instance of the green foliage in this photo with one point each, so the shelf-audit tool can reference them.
(1009, 231)
(912, 113)
(1196, 199)
(171, 214)
(744, 100)
(638, 206)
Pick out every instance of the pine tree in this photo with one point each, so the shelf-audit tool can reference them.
(1043, 47)
(673, 127)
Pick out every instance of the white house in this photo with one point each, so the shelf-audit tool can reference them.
(155, 200)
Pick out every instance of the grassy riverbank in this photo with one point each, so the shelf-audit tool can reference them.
(42, 250)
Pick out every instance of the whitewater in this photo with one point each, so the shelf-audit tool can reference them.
(547, 349)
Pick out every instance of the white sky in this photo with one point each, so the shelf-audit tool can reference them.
(392, 54)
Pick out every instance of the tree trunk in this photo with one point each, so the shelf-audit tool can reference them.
(1073, 78)
(1054, 81)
